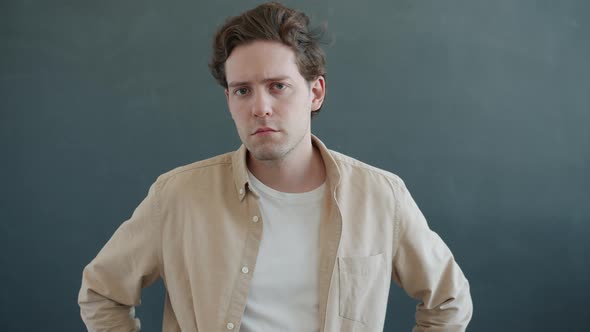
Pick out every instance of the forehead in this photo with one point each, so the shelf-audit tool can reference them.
(259, 60)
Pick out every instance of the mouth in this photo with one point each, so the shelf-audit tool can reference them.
(264, 131)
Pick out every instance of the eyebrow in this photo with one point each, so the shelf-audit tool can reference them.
(266, 80)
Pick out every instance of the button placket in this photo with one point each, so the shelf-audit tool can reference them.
(240, 294)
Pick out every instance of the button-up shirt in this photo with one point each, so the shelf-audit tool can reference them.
(199, 229)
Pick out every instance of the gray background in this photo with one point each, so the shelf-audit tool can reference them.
(482, 107)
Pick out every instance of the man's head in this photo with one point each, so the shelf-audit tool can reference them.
(271, 22)
(272, 70)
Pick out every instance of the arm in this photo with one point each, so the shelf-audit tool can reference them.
(129, 261)
(425, 268)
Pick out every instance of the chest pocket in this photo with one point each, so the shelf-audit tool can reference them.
(362, 290)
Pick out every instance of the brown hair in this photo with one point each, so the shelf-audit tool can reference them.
(275, 22)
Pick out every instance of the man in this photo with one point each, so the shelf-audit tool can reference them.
(282, 234)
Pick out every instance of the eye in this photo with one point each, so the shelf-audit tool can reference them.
(279, 86)
(241, 91)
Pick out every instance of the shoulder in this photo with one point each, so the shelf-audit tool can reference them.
(354, 169)
(200, 170)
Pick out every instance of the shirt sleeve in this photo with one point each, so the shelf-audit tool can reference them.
(129, 261)
(425, 268)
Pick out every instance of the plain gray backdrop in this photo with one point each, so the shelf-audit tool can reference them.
(482, 107)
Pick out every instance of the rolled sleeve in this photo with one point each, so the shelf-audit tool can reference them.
(426, 269)
(129, 261)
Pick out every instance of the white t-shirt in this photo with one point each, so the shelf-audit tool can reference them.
(284, 291)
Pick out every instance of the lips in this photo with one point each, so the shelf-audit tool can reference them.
(264, 130)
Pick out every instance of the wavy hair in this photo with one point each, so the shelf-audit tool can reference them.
(271, 21)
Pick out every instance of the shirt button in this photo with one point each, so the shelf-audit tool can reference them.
(255, 219)
(230, 326)
(245, 269)
(241, 191)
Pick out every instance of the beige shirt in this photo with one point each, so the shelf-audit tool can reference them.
(200, 225)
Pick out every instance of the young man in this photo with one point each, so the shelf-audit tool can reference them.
(282, 234)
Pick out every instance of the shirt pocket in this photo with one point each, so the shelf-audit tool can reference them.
(361, 288)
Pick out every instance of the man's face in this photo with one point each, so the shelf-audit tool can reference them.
(269, 101)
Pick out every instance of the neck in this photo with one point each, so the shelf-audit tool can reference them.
(300, 171)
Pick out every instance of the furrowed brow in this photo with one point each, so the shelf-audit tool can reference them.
(266, 80)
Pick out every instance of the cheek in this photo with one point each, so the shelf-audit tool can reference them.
(235, 111)
(241, 121)
(233, 116)
(238, 119)
(297, 103)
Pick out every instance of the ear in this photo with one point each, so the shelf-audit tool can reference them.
(318, 91)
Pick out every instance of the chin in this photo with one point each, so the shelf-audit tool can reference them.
(267, 152)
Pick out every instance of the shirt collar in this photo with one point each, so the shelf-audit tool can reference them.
(240, 168)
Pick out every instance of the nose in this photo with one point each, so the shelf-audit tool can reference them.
(262, 106)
